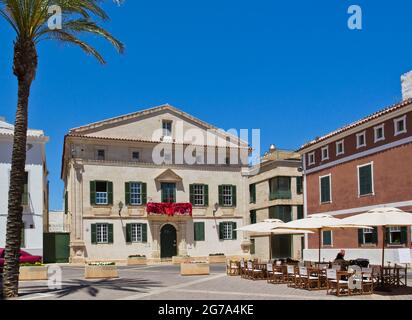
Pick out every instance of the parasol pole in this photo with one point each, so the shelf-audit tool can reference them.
(319, 243)
(383, 251)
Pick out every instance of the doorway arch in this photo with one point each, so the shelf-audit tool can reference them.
(168, 241)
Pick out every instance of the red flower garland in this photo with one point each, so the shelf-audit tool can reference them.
(170, 209)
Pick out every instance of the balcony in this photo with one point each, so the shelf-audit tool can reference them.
(280, 194)
(169, 209)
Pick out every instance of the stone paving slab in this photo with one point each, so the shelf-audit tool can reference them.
(163, 282)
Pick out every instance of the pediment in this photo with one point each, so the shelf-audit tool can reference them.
(168, 176)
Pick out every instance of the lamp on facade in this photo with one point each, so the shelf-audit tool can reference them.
(215, 208)
(120, 207)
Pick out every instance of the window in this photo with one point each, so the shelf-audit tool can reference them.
(199, 231)
(101, 154)
(379, 133)
(227, 230)
(325, 153)
(136, 232)
(252, 246)
(135, 193)
(168, 192)
(101, 193)
(102, 233)
(299, 212)
(361, 140)
(279, 188)
(252, 193)
(400, 125)
(199, 195)
(395, 235)
(327, 238)
(227, 195)
(340, 147)
(26, 195)
(368, 236)
(252, 216)
(135, 155)
(311, 158)
(299, 185)
(365, 180)
(167, 128)
(282, 212)
(325, 189)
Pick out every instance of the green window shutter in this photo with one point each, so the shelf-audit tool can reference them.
(92, 193)
(163, 190)
(191, 194)
(144, 193)
(325, 189)
(144, 232)
(404, 235)
(234, 196)
(386, 235)
(300, 212)
(253, 217)
(272, 212)
(110, 233)
(174, 195)
(66, 202)
(365, 180)
(220, 195)
(128, 232)
(299, 185)
(252, 193)
(127, 193)
(199, 231)
(360, 237)
(221, 226)
(375, 235)
(93, 234)
(234, 232)
(110, 192)
(206, 191)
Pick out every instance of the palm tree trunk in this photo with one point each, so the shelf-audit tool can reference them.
(24, 68)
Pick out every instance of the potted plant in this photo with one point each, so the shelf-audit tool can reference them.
(194, 268)
(101, 270)
(217, 258)
(181, 259)
(136, 260)
(33, 271)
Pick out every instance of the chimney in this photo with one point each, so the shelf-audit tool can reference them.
(406, 80)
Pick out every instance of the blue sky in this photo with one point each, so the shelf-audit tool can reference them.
(291, 68)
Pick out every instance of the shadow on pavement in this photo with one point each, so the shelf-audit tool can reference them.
(93, 287)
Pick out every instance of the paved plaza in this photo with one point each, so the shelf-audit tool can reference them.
(165, 282)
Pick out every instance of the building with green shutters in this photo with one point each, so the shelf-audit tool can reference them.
(357, 168)
(276, 192)
(145, 183)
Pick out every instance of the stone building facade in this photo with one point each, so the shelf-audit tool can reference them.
(146, 183)
(276, 192)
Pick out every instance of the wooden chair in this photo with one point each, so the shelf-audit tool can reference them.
(243, 269)
(275, 273)
(291, 275)
(233, 268)
(368, 281)
(255, 273)
(309, 278)
(335, 285)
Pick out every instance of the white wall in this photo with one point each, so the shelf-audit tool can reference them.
(33, 213)
(374, 255)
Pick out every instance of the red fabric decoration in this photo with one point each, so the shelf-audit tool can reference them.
(170, 209)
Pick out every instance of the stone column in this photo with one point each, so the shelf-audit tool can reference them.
(182, 242)
(155, 229)
(77, 244)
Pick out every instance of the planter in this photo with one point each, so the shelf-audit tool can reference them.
(194, 269)
(217, 259)
(100, 272)
(179, 260)
(136, 261)
(33, 273)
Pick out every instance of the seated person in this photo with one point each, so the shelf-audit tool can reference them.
(340, 259)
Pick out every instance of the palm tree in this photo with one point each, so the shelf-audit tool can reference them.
(30, 21)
